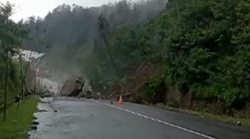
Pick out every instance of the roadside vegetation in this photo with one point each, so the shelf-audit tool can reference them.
(9, 41)
(16, 75)
(16, 78)
(186, 54)
(19, 120)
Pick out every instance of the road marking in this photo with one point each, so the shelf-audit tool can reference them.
(157, 120)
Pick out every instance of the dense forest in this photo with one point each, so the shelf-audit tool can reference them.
(196, 51)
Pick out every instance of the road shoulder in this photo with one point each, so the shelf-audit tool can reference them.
(212, 128)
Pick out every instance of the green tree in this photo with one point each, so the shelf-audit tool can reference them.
(11, 37)
(204, 45)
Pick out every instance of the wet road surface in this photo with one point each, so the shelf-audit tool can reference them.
(71, 118)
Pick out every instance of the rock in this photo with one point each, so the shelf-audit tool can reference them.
(42, 110)
(35, 123)
(14, 121)
(238, 123)
(161, 105)
(34, 117)
(34, 127)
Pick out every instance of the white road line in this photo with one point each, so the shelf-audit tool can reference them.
(157, 120)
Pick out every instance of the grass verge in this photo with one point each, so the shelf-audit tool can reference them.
(18, 120)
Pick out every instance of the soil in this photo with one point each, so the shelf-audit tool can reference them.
(173, 97)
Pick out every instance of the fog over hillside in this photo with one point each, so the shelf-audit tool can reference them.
(68, 34)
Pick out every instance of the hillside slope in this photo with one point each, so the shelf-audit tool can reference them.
(201, 49)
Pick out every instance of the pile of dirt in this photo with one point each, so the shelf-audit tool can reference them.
(140, 73)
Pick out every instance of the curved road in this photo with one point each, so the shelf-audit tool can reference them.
(71, 118)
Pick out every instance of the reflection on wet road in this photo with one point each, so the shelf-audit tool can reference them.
(89, 119)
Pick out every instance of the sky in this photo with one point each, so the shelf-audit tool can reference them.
(26, 8)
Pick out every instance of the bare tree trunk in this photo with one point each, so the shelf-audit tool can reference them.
(24, 76)
(110, 95)
(140, 67)
(35, 84)
(123, 88)
(5, 87)
(137, 74)
(21, 74)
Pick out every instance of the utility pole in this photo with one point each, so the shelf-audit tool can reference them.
(103, 26)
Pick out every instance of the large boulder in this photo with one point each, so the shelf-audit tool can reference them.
(72, 87)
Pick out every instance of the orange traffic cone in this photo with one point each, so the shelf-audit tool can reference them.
(120, 100)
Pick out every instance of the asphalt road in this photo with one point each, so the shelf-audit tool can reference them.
(70, 118)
